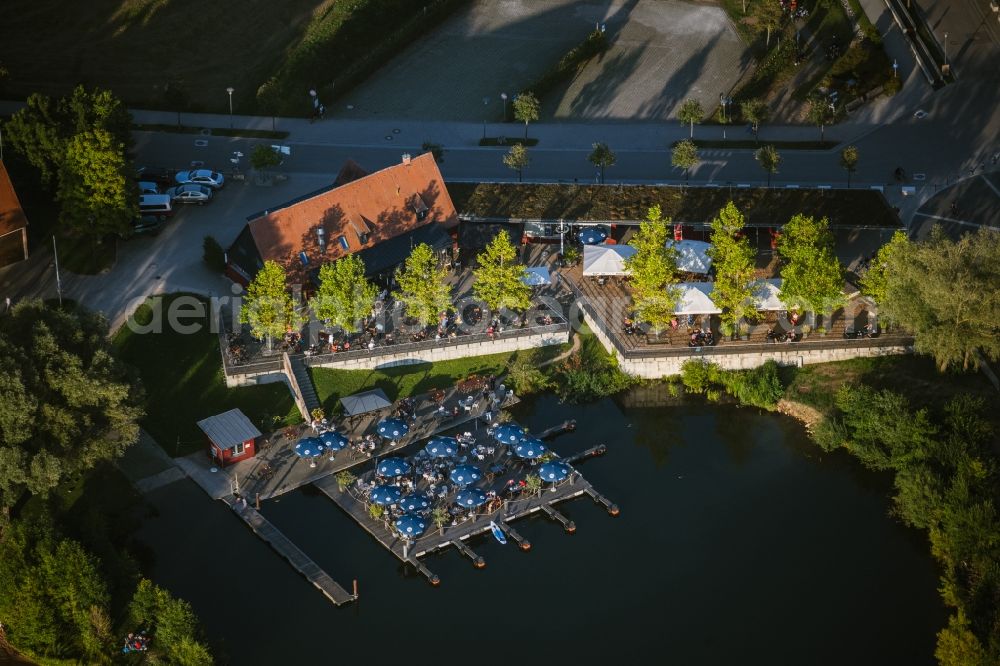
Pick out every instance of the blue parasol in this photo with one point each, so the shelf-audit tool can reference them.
(393, 466)
(592, 235)
(411, 525)
(554, 471)
(309, 447)
(392, 428)
(508, 433)
(386, 495)
(470, 498)
(415, 502)
(441, 447)
(530, 448)
(463, 475)
(334, 441)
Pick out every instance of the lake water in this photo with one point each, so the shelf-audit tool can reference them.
(738, 543)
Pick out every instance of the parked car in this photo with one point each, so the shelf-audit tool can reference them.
(213, 179)
(147, 225)
(190, 193)
(148, 187)
(159, 175)
(155, 204)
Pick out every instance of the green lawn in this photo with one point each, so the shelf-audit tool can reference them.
(690, 205)
(406, 380)
(183, 381)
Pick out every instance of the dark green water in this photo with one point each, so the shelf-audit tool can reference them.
(738, 543)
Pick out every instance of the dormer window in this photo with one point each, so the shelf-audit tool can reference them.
(419, 207)
(361, 231)
(343, 243)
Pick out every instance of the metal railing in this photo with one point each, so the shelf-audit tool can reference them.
(423, 345)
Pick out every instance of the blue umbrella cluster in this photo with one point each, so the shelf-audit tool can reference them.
(309, 447)
(530, 448)
(508, 433)
(593, 235)
(393, 466)
(554, 471)
(415, 502)
(441, 447)
(392, 428)
(386, 495)
(334, 441)
(411, 525)
(470, 498)
(463, 475)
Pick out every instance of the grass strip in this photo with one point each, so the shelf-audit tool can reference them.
(214, 131)
(505, 141)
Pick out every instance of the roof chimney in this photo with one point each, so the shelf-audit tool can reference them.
(321, 238)
(406, 158)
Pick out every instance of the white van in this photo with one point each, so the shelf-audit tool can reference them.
(155, 204)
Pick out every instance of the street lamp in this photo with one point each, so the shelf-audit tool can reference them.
(230, 91)
(503, 96)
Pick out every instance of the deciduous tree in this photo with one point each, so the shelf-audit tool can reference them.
(423, 287)
(345, 296)
(65, 402)
(812, 276)
(268, 307)
(517, 159)
(684, 156)
(653, 268)
(769, 17)
(874, 281)
(733, 259)
(849, 162)
(97, 197)
(769, 160)
(499, 280)
(691, 113)
(602, 157)
(820, 114)
(755, 112)
(172, 624)
(947, 293)
(526, 109)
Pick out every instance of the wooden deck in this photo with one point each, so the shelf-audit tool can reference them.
(330, 588)
(457, 534)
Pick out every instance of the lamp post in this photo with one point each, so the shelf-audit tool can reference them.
(503, 96)
(230, 91)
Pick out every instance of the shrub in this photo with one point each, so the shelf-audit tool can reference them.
(758, 387)
(526, 378)
(213, 254)
(697, 375)
(591, 374)
(892, 86)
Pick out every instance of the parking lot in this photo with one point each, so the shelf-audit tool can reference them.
(662, 51)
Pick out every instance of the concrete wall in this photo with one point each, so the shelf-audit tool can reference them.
(253, 379)
(444, 352)
(657, 367)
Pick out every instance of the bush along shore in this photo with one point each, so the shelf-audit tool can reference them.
(943, 458)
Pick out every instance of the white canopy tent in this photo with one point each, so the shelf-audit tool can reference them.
(692, 255)
(765, 295)
(537, 276)
(606, 259)
(695, 299)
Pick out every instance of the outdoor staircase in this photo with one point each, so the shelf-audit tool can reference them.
(304, 381)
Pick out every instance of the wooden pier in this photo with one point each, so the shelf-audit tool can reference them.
(302, 563)
(458, 534)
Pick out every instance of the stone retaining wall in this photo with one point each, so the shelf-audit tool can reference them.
(658, 367)
(444, 352)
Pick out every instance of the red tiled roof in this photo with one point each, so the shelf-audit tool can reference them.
(382, 205)
(11, 216)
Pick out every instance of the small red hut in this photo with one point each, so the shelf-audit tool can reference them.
(230, 435)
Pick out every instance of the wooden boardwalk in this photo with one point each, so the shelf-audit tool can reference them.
(456, 535)
(330, 588)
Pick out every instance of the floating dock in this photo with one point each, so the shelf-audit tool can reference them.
(263, 528)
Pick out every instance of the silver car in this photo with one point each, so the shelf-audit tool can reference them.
(190, 193)
(212, 179)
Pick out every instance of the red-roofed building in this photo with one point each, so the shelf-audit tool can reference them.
(380, 216)
(13, 223)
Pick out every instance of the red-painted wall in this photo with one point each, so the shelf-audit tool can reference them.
(227, 454)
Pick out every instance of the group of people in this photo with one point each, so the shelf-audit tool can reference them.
(701, 339)
(136, 642)
(782, 336)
